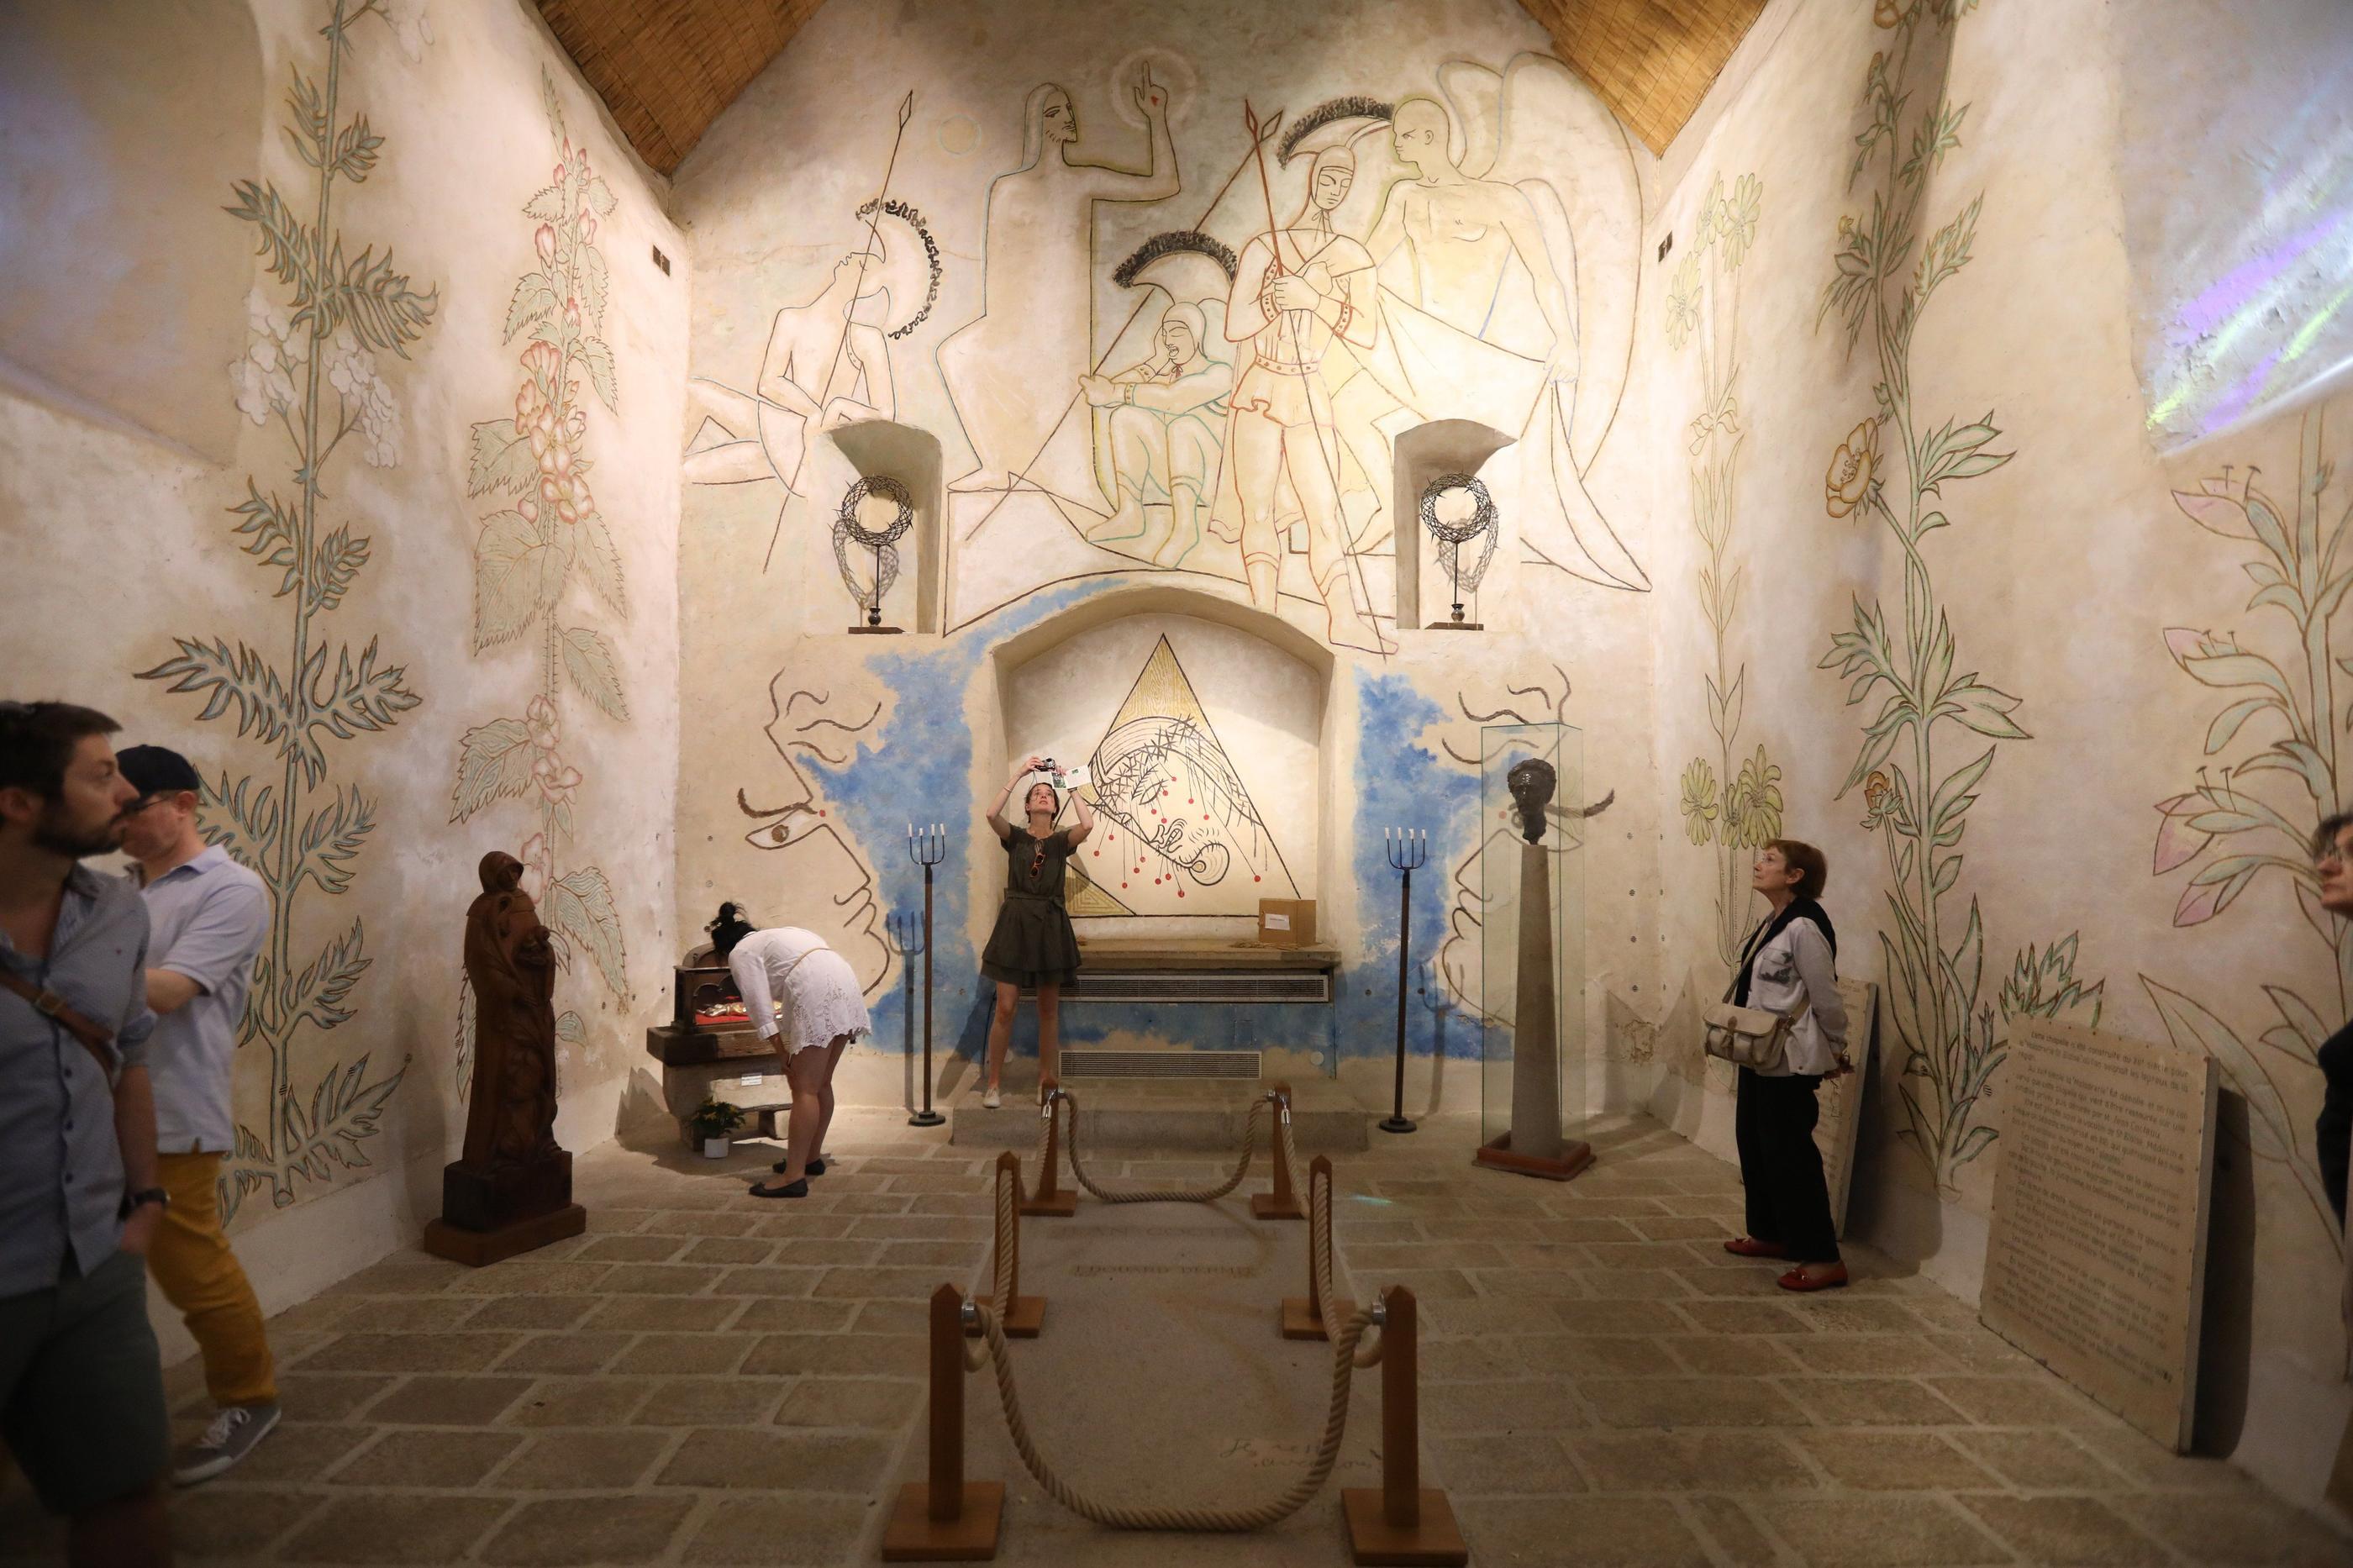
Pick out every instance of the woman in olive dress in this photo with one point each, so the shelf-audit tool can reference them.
(1033, 945)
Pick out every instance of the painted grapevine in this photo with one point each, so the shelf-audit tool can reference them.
(1730, 801)
(1896, 469)
(548, 533)
(2275, 767)
(309, 368)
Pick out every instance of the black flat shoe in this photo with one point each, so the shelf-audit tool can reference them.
(816, 1167)
(789, 1190)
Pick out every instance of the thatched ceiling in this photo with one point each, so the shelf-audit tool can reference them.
(667, 67)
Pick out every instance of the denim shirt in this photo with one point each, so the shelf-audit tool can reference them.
(61, 1166)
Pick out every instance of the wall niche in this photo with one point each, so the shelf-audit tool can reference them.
(1426, 453)
(883, 465)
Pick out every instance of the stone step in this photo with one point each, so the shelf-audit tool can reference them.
(1165, 1114)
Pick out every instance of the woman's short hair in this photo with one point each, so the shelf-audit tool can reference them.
(1813, 868)
(2324, 837)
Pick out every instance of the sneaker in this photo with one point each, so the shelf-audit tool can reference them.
(991, 1099)
(816, 1167)
(229, 1438)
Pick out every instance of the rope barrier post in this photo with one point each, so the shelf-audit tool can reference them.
(1023, 1316)
(946, 1519)
(1051, 1199)
(1281, 1202)
(1402, 1521)
(1311, 1317)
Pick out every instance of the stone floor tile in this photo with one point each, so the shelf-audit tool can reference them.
(661, 1278)
(795, 1315)
(327, 1395)
(611, 1219)
(2038, 1401)
(1686, 1461)
(729, 1249)
(436, 1313)
(1468, 1360)
(1616, 1317)
(1870, 1401)
(794, 1222)
(769, 1279)
(1574, 1207)
(554, 1533)
(604, 1400)
(1894, 1355)
(1591, 1532)
(863, 1203)
(1464, 1316)
(587, 1350)
(1681, 1402)
(1982, 1352)
(1853, 1315)
(888, 1355)
(881, 1284)
(688, 1222)
(531, 1277)
(410, 1458)
(2245, 1527)
(1517, 1464)
(2039, 1461)
(1753, 1355)
(295, 1453)
(1530, 1405)
(863, 1403)
(1871, 1460)
(1738, 1538)
(591, 1460)
(920, 1227)
(734, 1401)
(1519, 1284)
(464, 1352)
(802, 1459)
(2154, 1465)
(1870, 1532)
(673, 1314)
(326, 1311)
(1385, 1258)
(667, 1353)
(631, 1249)
(1679, 1227)
(781, 1530)
(2063, 1530)
(892, 1317)
(439, 1399)
(1745, 1318)
(953, 1255)
(548, 1313)
(1593, 1355)
(1649, 1255)
(395, 1527)
(404, 1273)
(216, 1523)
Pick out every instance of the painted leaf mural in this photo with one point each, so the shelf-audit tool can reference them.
(310, 369)
(1922, 761)
(546, 535)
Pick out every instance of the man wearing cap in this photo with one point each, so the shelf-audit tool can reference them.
(207, 916)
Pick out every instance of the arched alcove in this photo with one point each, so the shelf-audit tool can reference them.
(873, 448)
(125, 126)
(1203, 725)
(1423, 454)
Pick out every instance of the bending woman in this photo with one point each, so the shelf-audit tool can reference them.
(1033, 944)
(1790, 966)
(824, 1010)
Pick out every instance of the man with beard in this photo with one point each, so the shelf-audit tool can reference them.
(81, 1387)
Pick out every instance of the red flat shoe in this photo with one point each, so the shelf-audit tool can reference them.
(1798, 1280)
(1749, 1247)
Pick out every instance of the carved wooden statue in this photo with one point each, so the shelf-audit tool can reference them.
(511, 1190)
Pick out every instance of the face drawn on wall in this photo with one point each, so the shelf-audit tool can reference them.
(817, 880)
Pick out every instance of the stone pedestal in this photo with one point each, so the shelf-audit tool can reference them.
(1534, 1147)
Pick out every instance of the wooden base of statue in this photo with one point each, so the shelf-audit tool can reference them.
(489, 1214)
(475, 1248)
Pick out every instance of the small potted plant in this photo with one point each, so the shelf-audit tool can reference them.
(712, 1122)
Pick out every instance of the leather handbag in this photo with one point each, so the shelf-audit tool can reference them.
(1753, 1037)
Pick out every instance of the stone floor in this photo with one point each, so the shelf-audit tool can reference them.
(706, 1379)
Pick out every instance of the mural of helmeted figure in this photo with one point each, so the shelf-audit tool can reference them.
(1165, 422)
(1300, 302)
(1010, 372)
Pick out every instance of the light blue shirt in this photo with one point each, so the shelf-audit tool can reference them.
(206, 920)
(61, 1166)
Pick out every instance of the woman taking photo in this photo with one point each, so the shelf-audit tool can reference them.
(1033, 944)
(824, 1010)
(1790, 966)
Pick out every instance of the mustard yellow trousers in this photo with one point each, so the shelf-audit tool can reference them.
(192, 1261)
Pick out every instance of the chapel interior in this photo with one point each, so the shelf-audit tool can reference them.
(1448, 491)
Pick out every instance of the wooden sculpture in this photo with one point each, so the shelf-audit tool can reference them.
(511, 1190)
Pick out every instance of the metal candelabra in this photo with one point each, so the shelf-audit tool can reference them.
(906, 932)
(927, 849)
(1408, 851)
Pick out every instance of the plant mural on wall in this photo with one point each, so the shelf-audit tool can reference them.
(527, 554)
(2276, 792)
(1891, 466)
(310, 366)
(1734, 802)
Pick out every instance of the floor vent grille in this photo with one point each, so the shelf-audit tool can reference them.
(1079, 1064)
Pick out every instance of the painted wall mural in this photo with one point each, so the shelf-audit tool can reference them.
(2273, 767)
(820, 864)
(310, 369)
(1733, 802)
(529, 553)
(1895, 468)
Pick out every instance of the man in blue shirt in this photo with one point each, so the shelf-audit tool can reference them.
(207, 916)
(81, 1390)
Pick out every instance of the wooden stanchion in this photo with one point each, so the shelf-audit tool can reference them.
(1402, 1521)
(1282, 1202)
(1051, 1199)
(1304, 1318)
(946, 1519)
(1023, 1316)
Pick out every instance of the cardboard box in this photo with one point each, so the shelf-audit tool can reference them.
(1286, 922)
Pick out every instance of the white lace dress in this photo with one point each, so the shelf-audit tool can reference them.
(796, 987)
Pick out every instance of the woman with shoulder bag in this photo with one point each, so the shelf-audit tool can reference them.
(1788, 969)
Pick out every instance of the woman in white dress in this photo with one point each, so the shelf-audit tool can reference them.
(823, 1009)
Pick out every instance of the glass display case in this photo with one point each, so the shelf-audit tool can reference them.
(1531, 884)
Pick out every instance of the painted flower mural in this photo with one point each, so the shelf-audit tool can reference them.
(1855, 469)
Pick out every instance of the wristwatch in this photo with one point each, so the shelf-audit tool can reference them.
(156, 1195)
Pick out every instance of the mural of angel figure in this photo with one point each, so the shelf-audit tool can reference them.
(1164, 435)
(1491, 309)
(1011, 371)
(1303, 296)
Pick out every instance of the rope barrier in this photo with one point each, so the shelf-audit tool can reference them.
(1162, 1194)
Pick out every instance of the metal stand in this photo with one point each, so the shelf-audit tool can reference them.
(1408, 851)
(927, 849)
